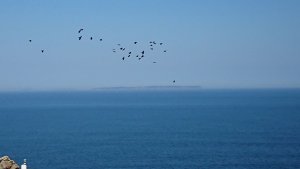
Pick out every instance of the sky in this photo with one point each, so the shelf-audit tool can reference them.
(209, 43)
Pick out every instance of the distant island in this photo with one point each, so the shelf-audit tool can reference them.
(149, 88)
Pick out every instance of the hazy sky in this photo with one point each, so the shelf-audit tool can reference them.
(211, 43)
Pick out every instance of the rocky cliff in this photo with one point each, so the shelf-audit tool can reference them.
(7, 163)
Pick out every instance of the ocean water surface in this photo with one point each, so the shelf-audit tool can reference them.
(152, 129)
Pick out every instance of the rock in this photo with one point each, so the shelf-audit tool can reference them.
(7, 163)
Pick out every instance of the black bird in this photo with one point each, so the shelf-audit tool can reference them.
(91, 38)
(42, 51)
(142, 56)
(123, 58)
(137, 56)
(165, 51)
(30, 40)
(151, 45)
(143, 52)
(150, 42)
(135, 42)
(129, 53)
(151, 48)
(123, 49)
(119, 44)
(80, 30)
(101, 39)
(79, 37)
(160, 43)
(174, 81)
(154, 42)
(154, 62)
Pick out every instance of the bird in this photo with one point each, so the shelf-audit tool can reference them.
(154, 62)
(79, 37)
(80, 30)
(123, 58)
(151, 48)
(30, 40)
(137, 56)
(123, 49)
(154, 42)
(42, 51)
(165, 51)
(91, 38)
(135, 42)
(160, 43)
(129, 53)
(143, 52)
(142, 56)
(101, 39)
(151, 45)
(119, 44)
(174, 81)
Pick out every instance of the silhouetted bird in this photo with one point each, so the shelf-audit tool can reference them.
(154, 42)
(142, 56)
(160, 43)
(154, 62)
(80, 30)
(165, 51)
(174, 81)
(137, 56)
(119, 44)
(143, 52)
(123, 49)
(123, 58)
(151, 45)
(135, 42)
(151, 48)
(91, 38)
(129, 52)
(79, 38)
(29, 40)
(42, 51)
(128, 55)
(101, 39)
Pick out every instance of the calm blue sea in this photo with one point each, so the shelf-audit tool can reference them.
(152, 129)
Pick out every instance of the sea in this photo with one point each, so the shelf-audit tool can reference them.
(152, 129)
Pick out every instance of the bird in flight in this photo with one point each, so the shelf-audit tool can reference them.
(101, 39)
(154, 62)
(160, 43)
(79, 37)
(165, 51)
(174, 81)
(123, 58)
(80, 30)
(91, 38)
(42, 51)
(135, 42)
(30, 40)
(143, 52)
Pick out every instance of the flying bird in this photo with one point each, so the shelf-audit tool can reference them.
(135, 42)
(91, 38)
(143, 52)
(123, 58)
(79, 37)
(154, 62)
(42, 51)
(165, 51)
(80, 30)
(30, 40)
(160, 43)
(151, 48)
(101, 39)
(174, 81)
(129, 53)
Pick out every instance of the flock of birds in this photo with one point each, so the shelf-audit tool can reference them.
(128, 53)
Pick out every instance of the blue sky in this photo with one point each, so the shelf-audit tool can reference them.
(211, 43)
